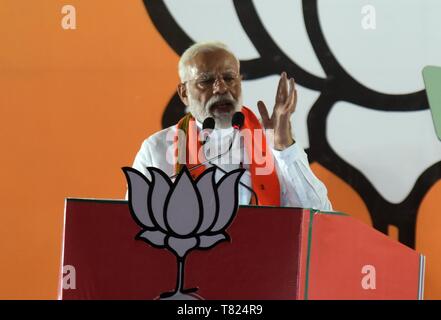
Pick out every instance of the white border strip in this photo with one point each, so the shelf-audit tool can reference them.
(421, 277)
(60, 280)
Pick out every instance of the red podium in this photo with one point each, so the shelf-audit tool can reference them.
(274, 253)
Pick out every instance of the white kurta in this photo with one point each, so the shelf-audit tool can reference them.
(299, 186)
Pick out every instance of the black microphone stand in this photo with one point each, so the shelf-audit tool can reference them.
(237, 123)
(209, 160)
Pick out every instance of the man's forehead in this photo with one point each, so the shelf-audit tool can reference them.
(213, 61)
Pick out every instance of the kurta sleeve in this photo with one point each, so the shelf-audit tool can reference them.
(143, 159)
(299, 186)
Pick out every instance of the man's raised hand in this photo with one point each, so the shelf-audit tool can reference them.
(280, 120)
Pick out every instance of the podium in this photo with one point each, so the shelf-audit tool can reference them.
(274, 253)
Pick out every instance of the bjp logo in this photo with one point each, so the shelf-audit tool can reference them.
(183, 215)
(362, 113)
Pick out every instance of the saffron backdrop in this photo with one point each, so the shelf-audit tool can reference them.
(75, 106)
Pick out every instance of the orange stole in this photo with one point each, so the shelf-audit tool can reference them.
(267, 187)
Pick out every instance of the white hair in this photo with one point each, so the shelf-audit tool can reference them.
(195, 49)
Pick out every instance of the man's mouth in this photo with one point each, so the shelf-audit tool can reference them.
(222, 106)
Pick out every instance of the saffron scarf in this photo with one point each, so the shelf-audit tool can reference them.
(266, 186)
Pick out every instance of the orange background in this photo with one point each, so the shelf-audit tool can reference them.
(75, 106)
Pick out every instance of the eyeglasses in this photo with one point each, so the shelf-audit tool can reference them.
(208, 80)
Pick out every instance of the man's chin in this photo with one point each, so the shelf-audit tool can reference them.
(223, 119)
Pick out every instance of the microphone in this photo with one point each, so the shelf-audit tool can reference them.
(236, 122)
(207, 125)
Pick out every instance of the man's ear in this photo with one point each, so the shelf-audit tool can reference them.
(182, 92)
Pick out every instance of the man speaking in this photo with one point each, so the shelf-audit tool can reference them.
(219, 131)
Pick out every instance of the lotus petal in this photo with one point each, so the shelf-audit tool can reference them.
(160, 188)
(227, 189)
(181, 246)
(388, 58)
(284, 22)
(183, 207)
(391, 149)
(206, 185)
(210, 241)
(138, 190)
(203, 28)
(156, 238)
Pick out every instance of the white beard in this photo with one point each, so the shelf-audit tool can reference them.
(201, 112)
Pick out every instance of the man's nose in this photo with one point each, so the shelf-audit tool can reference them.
(219, 86)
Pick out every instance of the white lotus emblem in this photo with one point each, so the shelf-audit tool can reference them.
(182, 215)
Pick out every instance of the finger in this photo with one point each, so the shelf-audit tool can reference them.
(294, 104)
(263, 113)
(282, 89)
(292, 98)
